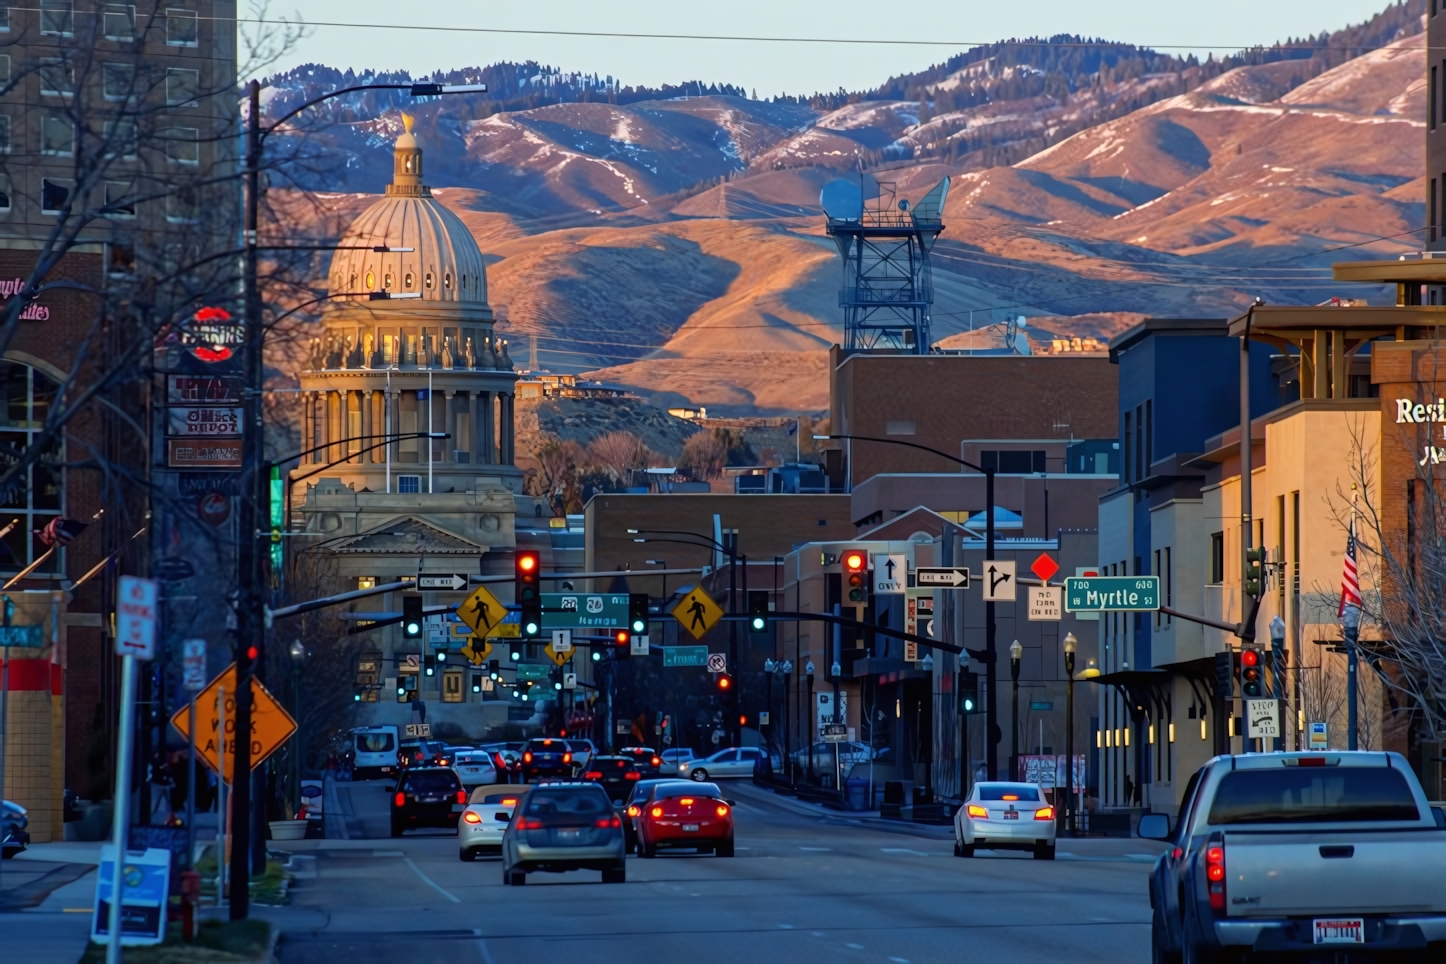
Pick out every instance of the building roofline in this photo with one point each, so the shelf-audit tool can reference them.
(1164, 326)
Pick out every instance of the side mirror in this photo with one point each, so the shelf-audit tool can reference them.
(504, 817)
(731, 803)
(1155, 826)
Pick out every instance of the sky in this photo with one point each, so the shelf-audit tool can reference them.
(770, 68)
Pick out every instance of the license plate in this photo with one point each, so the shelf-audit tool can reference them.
(690, 828)
(1340, 930)
(569, 834)
(1011, 815)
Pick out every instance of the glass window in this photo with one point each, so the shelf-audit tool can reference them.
(183, 87)
(409, 483)
(57, 78)
(507, 798)
(182, 206)
(4, 133)
(724, 756)
(1010, 792)
(182, 28)
(57, 18)
(4, 68)
(374, 742)
(1313, 795)
(36, 494)
(57, 135)
(4, 19)
(118, 201)
(183, 144)
(568, 803)
(121, 139)
(118, 81)
(5, 178)
(680, 789)
(119, 22)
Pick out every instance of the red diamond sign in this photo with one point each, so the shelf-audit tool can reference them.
(1044, 567)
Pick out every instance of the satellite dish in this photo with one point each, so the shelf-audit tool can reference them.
(931, 206)
(842, 201)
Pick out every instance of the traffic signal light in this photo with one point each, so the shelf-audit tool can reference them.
(968, 692)
(1252, 678)
(476, 682)
(529, 592)
(429, 663)
(1225, 673)
(441, 657)
(758, 612)
(622, 644)
(855, 565)
(1254, 561)
(725, 682)
(411, 615)
(638, 612)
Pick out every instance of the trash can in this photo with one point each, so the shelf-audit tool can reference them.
(858, 794)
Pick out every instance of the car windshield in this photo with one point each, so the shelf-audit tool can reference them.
(1313, 795)
(375, 742)
(1008, 791)
(471, 758)
(568, 803)
(546, 746)
(502, 798)
(430, 781)
(579, 746)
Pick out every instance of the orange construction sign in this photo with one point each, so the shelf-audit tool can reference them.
(271, 726)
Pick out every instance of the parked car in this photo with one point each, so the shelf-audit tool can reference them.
(546, 757)
(1005, 816)
(427, 796)
(484, 819)
(375, 751)
(615, 774)
(849, 753)
(1330, 856)
(688, 816)
(560, 827)
(675, 758)
(645, 757)
(13, 835)
(474, 767)
(733, 762)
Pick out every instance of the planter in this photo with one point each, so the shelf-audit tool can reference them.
(288, 829)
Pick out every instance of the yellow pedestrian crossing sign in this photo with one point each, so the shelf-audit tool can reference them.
(482, 612)
(697, 612)
(555, 656)
(477, 650)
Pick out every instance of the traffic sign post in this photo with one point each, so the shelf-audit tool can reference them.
(1044, 567)
(891, 573)
(572, 610)
(562, 640)
(1112, 593)
(638, 645)
(998, 580)
(717, 662)
(453, 582)
(1045, 603)
(697, 612)
(953, 577)
(483, 612)
(476, 651)
(271, 725)
(1262, 719)
(685, 656)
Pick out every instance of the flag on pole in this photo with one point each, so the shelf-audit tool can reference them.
(1350, 582)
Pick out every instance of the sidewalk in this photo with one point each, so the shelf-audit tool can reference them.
(46, 902)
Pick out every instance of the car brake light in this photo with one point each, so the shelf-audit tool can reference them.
(400, 800)
(471, 816)
(656, 811)
(634, 810)
(1010, 796)
(461, 796)
(1044, 813)
(1310, 761)
(977, 811)
(1215, 874)
(686, 801)
(722, 810)
(610, 823)
(657, 761)
(592, 775)
(527, 757)
(567, 758)
(634, 775)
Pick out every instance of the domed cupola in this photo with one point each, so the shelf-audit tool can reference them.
(444, 265)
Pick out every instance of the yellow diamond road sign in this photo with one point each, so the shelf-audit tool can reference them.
(482, 612)
(271, 725)
(476, 651)
(555, 656)
(697, 612)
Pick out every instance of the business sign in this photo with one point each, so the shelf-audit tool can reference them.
(919, 620)
(1319, 738)
(1262, 719)
(186, 453)
(212, 334)
(32, 636)
(891, 573)
(207, 422)
(685, 656)
(1112, 593)
(202, 390)
(1045, 603)
(145, 888)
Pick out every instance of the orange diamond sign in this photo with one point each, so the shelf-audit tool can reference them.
(271, 726)
(1045, 567)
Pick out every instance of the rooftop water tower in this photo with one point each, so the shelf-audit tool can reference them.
(888, 287)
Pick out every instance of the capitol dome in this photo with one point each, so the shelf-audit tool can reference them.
(445, 264)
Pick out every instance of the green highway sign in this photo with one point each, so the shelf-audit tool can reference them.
(685, 655)
(533, 671)
(581, 610)
(1111, 593)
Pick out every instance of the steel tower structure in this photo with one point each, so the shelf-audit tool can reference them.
(888, 286)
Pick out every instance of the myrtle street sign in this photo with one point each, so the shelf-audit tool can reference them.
(1111, 593)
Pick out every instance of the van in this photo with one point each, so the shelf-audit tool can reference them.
(376, 751)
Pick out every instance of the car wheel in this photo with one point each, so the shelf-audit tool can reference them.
(699, 775)
(958, 848)
(618, 875)
(1159, 942)
(1044, 852)
(724, 849)
(647, 850)
(396, 829)
(966, 850)
(517, 878)
(467, 855)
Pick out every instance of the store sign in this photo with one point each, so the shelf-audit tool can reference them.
(34, 311)
(1411, 411)
(198, 453)
(209, 422)
(202, 389)
(212, 335)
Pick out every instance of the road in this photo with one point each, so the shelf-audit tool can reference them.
(804, 887)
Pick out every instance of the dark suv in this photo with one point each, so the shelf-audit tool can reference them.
(422, 753)
(427, 797)
(546, 757)
(645, 758)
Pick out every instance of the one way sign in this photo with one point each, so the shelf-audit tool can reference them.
(891, 573)
(998, 580)
(452, 581)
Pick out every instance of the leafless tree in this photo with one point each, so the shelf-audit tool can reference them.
(618, 454)
(704, 456)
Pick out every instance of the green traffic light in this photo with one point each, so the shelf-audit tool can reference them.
(596, 656)
(758, 623)
(639, 626)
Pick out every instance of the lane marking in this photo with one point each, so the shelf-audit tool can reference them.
(1141, 856)
(76, 910)
(816, 850)
(854, 947)
(482, 947)
(432, 883)
(903, 850)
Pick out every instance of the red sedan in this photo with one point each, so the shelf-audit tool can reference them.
(695, 817)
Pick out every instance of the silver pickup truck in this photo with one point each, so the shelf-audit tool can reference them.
(1334, 856)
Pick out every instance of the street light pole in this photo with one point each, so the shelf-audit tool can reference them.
(1351, 623)
(1070, 644)
(1016, 652)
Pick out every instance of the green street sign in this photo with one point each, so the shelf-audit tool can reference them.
(1111, 594)
(533, 672)
(685, 655)
(580, 610)
(22, 635)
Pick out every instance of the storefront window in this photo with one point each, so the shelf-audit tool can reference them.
(34, 497)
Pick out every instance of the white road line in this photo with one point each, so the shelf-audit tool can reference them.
(903, 850)
(482, 947)
(816, 850)
(432, 883)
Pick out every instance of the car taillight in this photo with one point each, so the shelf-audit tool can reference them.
(567, 758)
(657, 761)
(978, 811)
(400, 800)
(1044, 813)
(526, 824)
(1215, 874)
(471, 817)
(656, 811)
(461, 796)
(592, 775)
(686, 801)
(634, 775)
(527, 757)
(722, 810)
(612, 823)
(634, 810)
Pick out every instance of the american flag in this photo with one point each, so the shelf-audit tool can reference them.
(1350, 582)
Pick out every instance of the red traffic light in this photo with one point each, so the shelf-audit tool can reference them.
(622, 637)
(742, 721)
(724, 682)
(252, 652)
(527, 562)
(855, 560)
(1249, 657)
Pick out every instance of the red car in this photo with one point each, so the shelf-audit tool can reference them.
(694, 817)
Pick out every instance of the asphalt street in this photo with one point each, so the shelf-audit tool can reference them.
(805, 886)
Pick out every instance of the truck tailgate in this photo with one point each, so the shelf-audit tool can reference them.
(1334, 872)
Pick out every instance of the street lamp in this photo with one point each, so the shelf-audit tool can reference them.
(808, 670)
(1070, 645)
(1277, 660)
(1016, 653)
(991, 658)
(1351, 625)
(297, 652)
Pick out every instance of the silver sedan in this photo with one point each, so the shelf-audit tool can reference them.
(1005, 816)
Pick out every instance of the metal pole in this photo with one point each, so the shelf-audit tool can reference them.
(4, 707)
(733, 732)
(1014, 723)
(835, 671)
(120, 819)
(1352, 734)
(221, 822)
(191, 784)
(1069, 743)
(992, 735)
(1247, 503)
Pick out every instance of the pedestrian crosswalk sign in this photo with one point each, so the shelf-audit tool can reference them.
(476, 651)
(697, 612)
(482, 612)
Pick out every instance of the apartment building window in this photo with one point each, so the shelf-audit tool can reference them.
(182, 28)
(1141, 466)
(35, 496)
(4, 133)
(1167, 580)
(118, 81)
(183, 206)
(119, 21)
(57, 135)
(57, 18)
(54, 193)
(118, 201)
(1159, 617)
(1148, 442)
(1295, 545)
(1012, 463)
(1431, 100)
(57, 78)
(1431, 208)
(183, 88)
(120, 139)
(4, 191)
(183, 145)
(1217, 558)
(4, 19)
(4, 68)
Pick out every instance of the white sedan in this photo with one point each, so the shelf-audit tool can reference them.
(474, 767)
(1005, 816)
(485, 819)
